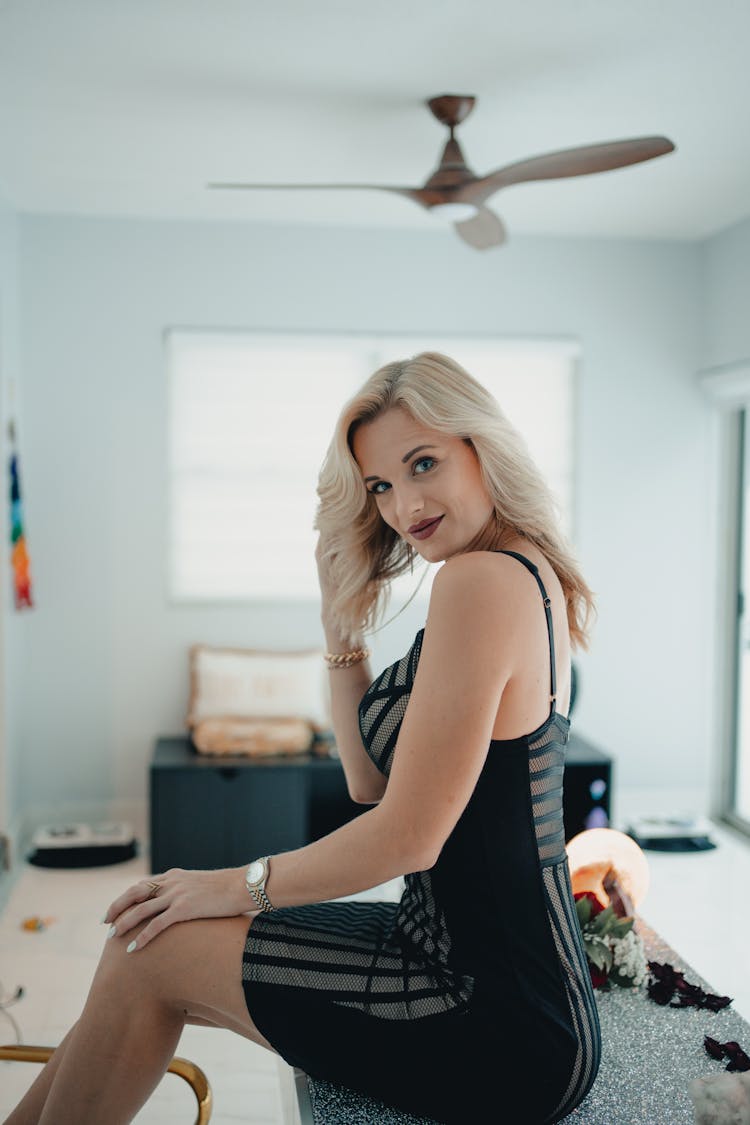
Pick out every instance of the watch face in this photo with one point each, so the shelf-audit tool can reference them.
(255, 871)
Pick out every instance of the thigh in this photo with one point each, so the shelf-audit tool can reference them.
(193, 966)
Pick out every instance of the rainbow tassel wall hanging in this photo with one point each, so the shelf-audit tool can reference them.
(19, 554)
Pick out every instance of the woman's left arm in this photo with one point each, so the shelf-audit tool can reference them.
(477, 620)
(361, 854)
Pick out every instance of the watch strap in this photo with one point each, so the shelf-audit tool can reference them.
(260, 898)
(258, 893)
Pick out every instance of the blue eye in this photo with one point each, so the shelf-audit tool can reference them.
(420, 466)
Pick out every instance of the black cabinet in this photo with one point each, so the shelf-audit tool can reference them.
(587, 787)
(211, 812)
(222, 812)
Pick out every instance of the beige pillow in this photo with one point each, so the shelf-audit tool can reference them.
(230, 683)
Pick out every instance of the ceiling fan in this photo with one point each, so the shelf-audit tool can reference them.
(454, 191)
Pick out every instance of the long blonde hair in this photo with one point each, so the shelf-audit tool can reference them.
(364, 553)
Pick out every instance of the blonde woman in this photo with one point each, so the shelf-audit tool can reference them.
(471, 995)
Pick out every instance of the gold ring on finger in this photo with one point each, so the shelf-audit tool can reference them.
(155, 888)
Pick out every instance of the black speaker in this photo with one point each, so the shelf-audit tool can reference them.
(587, 787)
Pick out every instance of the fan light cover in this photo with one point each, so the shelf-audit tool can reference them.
(454, 212)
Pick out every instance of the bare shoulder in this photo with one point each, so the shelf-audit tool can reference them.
(483, 580)
(484, 595)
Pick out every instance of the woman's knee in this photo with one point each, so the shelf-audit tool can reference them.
(180, 964)
(193, 968)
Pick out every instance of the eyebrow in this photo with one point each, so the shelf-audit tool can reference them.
(405, 458)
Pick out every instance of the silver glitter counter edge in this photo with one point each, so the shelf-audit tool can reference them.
(650, 1054)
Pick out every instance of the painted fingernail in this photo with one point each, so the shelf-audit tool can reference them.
(112, 931)
(131, 947)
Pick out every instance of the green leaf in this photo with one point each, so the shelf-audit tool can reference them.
(583, 910)
(601, 955)
(621, 927)
(621, 979)
(603, 922)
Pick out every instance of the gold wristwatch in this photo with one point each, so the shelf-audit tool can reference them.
(255, 880)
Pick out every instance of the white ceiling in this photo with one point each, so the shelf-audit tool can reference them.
(129, 107)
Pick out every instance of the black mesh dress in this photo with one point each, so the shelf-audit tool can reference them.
(474, 987)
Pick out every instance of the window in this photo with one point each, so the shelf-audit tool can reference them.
(250, 417)
(728, 389)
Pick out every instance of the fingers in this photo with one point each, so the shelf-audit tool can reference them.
(136, 915)
(131, 896)
(157, 925)
(177, 896)
(139, 892)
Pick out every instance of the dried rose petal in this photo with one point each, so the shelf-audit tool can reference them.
(670, 980)
(659, 992)
(740, 1061)
(716, 1003)
(691, 996)
(713, 1047)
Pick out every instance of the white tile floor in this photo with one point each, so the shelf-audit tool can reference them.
(698, 902)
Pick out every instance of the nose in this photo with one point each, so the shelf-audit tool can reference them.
(409, 506)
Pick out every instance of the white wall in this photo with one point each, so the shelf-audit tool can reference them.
(107, 667)
(726, 296)
(11, 627)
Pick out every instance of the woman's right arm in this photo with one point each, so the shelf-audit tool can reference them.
(365, 782)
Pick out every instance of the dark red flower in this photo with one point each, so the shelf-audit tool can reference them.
(598, 976)
(596, 906)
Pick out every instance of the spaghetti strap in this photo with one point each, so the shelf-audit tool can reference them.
(548, 612)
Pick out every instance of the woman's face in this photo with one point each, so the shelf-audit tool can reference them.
(427, 485)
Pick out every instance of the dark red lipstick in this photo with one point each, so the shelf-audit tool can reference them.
(425, 528)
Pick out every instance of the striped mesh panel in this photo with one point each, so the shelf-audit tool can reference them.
(546, 766)
(583, 1010)
(383, 707)
(349, 954)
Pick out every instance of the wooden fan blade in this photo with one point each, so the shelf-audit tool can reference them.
(482, 230)
(410, 193)
(567, 162)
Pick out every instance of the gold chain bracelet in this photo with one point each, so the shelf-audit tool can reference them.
(345, 659)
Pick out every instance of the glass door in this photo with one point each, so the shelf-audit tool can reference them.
(740, 788)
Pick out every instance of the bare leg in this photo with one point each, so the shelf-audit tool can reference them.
(117, 1053)
(28, 1111)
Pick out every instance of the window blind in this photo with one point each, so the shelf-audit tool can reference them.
(250, 416)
